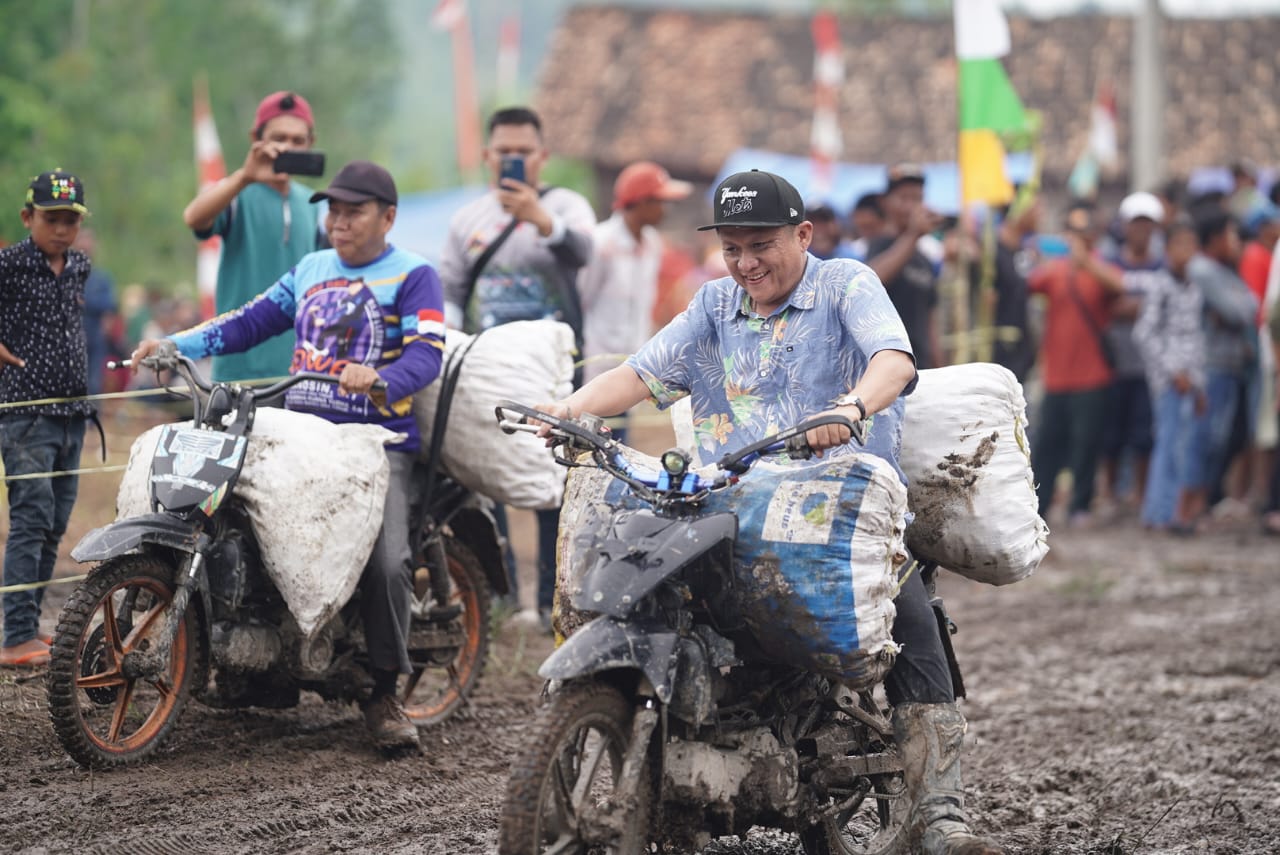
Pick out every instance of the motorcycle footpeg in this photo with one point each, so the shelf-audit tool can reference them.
(443, 614)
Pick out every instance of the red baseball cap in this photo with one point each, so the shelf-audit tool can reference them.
(647, 180)
(282, 104)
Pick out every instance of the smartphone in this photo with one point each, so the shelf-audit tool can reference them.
(297, 162)
(512, 167)
(1052, 246)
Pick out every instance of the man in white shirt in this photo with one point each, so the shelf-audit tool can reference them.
(618, 286)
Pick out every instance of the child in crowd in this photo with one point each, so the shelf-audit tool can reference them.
(1170, 337)
(42, 356)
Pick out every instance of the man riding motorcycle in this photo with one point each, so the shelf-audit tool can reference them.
(784, 337)
(390, 305)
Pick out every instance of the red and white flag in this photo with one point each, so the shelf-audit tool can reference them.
(825, 140)
(509, 55)
(211, 168)
(451, 16)
(1103, 144)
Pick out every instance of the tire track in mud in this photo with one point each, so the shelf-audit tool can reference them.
(361, 818)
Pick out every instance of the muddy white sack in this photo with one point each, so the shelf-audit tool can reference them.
(527, 361)
(968, 467)
(820, 542)
(314, 492)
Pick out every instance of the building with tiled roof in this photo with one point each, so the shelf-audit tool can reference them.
(688, 89)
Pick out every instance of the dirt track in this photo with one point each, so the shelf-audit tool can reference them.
(1121, 701)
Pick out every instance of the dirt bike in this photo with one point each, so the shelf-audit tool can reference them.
(667, 723)
(182, 593)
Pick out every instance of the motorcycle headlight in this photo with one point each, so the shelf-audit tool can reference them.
(675, 462)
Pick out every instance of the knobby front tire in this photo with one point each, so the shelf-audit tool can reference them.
(569, 765)
(104, 713)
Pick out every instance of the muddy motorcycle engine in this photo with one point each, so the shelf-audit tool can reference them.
(756, 775)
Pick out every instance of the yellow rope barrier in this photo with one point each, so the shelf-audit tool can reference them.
(32, 586)
(61, 472)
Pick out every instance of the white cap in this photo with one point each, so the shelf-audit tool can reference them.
(1140, 204)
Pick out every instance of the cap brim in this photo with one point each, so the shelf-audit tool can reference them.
(742, 225)
(674, 190)
(58, 206)
(341, 194)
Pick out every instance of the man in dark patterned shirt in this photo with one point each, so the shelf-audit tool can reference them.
(42, 355)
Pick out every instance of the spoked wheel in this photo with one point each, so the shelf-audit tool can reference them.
(559, 796)
(448, 656)
(871, 817)
(110, 702)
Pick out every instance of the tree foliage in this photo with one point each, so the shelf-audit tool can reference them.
(104, 88)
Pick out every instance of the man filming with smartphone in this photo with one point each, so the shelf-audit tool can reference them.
(514, 255)
(266, 221)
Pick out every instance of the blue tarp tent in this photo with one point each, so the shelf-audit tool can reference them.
(850, 181)
(422, 219)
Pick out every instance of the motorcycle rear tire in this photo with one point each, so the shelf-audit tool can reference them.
(534, 813)
(102, 716)
(428, 705)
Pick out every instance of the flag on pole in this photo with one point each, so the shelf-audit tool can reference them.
(988, 106)
(210, 168)
(1101, 154)
(825, 142)
(451, 16)
(509, 55)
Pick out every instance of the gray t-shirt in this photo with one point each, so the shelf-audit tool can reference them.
(1229, 312)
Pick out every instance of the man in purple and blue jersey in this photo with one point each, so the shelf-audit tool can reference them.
(362, 311)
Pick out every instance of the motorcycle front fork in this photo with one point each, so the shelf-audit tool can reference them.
(151, 662)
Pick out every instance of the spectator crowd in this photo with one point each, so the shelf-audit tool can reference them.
(1145, 335)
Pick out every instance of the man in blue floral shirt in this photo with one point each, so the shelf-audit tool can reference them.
(784, 337)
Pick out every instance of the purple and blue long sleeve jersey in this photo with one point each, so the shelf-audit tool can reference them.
(388, 314)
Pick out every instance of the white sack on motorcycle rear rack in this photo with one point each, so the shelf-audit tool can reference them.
(523, 361)
(966, 457)
(314, 493)
(815, 562)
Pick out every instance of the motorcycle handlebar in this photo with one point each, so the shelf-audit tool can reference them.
(586, 433)
(167, 357)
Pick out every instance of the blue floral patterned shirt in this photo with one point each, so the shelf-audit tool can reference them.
(750, 376)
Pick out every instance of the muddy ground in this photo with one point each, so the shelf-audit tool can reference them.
(1122, 700)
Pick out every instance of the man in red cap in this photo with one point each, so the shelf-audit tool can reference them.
(619, 284)
(267, 223)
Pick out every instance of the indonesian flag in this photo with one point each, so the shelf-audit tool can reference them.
(509, 54)
(431, 322)
(825, 141)
(211, 168)
(1102, 128)
(451, 16)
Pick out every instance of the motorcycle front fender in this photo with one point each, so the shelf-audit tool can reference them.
(127, 535)
(639, 551)
(607, 644)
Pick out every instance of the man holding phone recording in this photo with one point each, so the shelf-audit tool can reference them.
(907, 273)
(514, 255)
(266, 221)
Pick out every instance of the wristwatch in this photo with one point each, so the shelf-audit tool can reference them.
(854, 400)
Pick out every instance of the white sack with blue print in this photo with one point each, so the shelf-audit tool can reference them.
(314, 493)
(525, 361)
(815, 564)
(968, 464)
